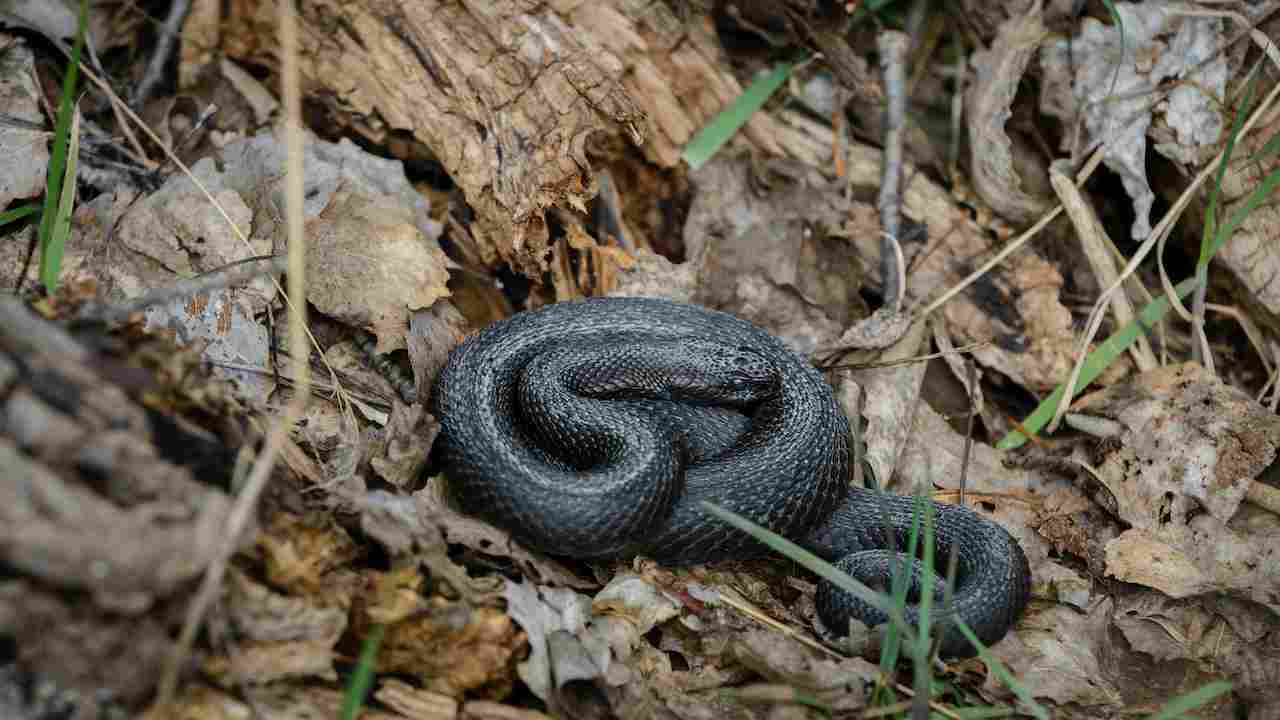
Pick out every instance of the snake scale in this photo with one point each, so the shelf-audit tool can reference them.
(595, 428)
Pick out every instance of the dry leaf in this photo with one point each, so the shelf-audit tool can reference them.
(369, 266)
(401, 453)
(1191, 442)
(300, 553)
(24, 150)
(998, 72)
(430, 507)
(1016, 308)
(1113, 90)
(1059, 652)
(454, 649)
(766, 256)
(837, 682)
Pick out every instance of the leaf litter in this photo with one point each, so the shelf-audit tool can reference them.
(1152, 572)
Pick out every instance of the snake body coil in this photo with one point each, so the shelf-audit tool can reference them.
(594, 429)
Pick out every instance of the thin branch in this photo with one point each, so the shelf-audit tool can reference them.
(228, 276)
(165, 41)
(893, 48)
(278, 438)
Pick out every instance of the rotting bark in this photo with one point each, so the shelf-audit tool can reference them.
(510, 96)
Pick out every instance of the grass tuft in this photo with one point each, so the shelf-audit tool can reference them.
(362, 676)
(915, 638)
(55, 219)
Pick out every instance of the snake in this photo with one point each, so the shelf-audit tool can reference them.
(597, 428)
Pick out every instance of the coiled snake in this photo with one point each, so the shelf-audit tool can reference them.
(594, 428)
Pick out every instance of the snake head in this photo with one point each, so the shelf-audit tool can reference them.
(722, 374)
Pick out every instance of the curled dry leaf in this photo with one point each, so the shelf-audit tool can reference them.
(556, 621)
(1114, 78)
(24, 147)
(600, 640)
(998, 71)
(430, 506)
(433, 332)
(369, 265)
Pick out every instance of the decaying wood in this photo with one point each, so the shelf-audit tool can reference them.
(510, 96)
(91, 508)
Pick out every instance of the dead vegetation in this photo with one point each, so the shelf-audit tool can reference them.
(1059, 175)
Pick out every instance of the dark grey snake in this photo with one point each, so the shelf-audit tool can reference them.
(594, 428)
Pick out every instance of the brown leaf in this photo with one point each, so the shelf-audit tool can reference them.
(998, 71)
(370, 266)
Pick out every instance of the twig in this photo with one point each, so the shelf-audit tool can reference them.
(168, 35)
(1094, 242)
(893, 47)
(972, 375)
(1251, 330)
(957, 109)
(247, 501)
(227, 276)
(907, 361)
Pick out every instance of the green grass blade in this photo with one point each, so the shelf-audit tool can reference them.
(891, 649)
(18, 213)
(1210, 239)
(362, 676)
(1192, 700)
(1251, 203)
(51, 253)
(921, 679)
(1096, 362)
(58, 158)
(723, 126)
(816, 564)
